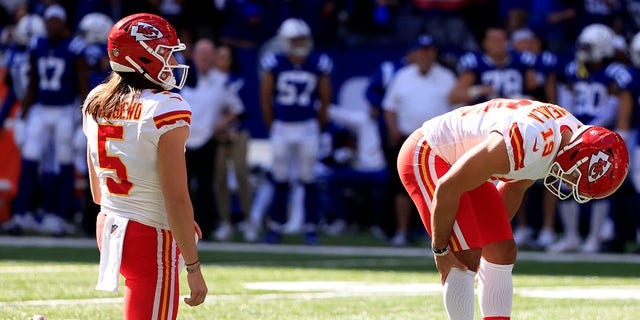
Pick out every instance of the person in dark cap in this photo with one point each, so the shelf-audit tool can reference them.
(417, 90)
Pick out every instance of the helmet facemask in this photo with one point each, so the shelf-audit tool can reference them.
(171, 70)
(565, 184)
(592, 166)
(299, 46)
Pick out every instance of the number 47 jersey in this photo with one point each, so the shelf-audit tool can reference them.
(124, 153)
(531, 131)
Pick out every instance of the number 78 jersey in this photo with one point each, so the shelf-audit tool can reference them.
(531, 131)
(124, 153)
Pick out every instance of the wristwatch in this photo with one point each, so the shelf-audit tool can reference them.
(441, 252)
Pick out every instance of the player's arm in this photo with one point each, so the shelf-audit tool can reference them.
(475, 167)
(324, 94)
(32, 88)
(623, 122)
(94, 182)
(267, 85)
(374, 93)
(465, 91)
(512, 194)
(172, 169)
(551, 88)
(391, 119)
(530, 81)
(173, 178)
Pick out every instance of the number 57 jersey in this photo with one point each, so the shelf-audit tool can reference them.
(124, 153)
(531, 131)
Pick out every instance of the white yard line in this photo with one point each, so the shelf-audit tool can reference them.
(7, 241)
(306, 290)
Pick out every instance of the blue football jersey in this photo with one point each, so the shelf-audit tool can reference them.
(296, 86)
(590, 90)
(633, 86)
(56, 68)
(507, 80)
(380, 79)
(546, 63)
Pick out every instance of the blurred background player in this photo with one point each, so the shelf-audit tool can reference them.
(595, 84)
(625, 205)
(295, 94)
(57, 80)
(494, 72)
(537, 198)
(16, 57)
(377, 86)
(93, 29)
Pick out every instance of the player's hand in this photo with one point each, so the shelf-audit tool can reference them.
(445, 263)
(198, 288)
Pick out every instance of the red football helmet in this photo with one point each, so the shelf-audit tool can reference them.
(145, 43)
(592, 166)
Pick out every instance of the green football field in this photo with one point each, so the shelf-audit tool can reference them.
(298, 282)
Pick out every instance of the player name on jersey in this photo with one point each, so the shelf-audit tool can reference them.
(547, 111)
(128, 111)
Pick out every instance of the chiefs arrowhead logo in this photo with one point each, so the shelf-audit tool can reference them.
(144, 31)
(599, 164)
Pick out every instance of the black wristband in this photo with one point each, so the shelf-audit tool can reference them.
(440, 252)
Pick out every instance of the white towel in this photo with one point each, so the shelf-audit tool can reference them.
(111, 253)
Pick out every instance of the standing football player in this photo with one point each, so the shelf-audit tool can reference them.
(596, 84)
(295, 94)
(496, 72)
(57, 79)
(93, 29)
(29, 27)
(136, 134)
(625, 207)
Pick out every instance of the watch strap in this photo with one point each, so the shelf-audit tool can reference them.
(441, 252)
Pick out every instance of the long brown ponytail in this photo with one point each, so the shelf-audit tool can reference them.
(119, 87)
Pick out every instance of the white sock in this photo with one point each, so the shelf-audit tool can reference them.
(458, 294)
(495, 289)
(570, 215)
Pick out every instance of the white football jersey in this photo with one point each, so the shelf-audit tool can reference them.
(531, 131)
(124, 153)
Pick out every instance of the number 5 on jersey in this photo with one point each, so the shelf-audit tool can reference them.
(120, 186)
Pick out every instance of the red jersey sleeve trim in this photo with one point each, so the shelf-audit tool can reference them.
(172, 117)
(517, 142)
